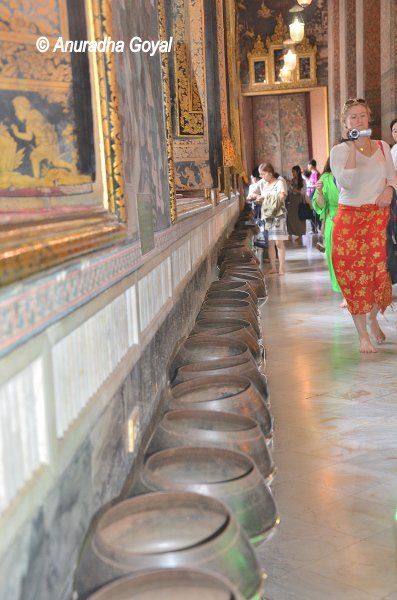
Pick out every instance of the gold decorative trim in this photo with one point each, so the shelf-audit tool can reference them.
(280, 33)
(233, 87)
(259, 47)
(110, 119)
(168, 117)
(53, 242)
(189, 69)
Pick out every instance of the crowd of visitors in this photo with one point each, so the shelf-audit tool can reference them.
(350, 204)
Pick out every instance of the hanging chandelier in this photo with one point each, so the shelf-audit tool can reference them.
(297, 29)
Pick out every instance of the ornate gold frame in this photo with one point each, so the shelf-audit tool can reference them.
(255, 78)
(265, 52)
(168, 113)
(303, 80)
(33, 242)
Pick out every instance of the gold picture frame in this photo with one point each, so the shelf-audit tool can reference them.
(306, 69)
(42, 226)
(267, 57)
(259, 70)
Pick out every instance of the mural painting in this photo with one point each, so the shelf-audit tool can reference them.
(193, 175)
(280, 131)
(37, 114)
(266, 125)
(142, 109)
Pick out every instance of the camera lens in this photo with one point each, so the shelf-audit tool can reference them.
(354, 134)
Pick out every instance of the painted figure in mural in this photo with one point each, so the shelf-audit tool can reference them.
(365, 176)
(41, 133)
(11, 157)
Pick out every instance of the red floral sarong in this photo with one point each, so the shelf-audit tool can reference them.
(359, 257)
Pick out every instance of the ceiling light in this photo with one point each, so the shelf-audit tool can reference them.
(297, 29)
(304, 3)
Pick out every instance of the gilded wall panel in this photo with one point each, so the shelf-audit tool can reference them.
(168, 114)
(189, 68)
(228, 149)
(233, 88)
(61, 176)
(190, 142)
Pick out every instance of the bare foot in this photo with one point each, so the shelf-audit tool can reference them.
(376, 331)
(271, 272)
(343, 304)
(281, 273)
(366, 347)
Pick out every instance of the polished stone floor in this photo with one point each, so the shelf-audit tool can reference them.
(335, 443)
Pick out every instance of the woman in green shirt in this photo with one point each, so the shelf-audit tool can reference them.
(325, 203)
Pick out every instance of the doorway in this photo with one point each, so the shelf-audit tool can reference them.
(289, 129)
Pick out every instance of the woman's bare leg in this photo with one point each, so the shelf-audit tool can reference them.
(281, 256)
(272, 257)
(374, 325)
(360, 322)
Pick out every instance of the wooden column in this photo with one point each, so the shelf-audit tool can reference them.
(334, 70)
(368, 58)
(348, 67)
(388, 64)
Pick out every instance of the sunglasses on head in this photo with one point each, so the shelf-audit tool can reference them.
(351, 101)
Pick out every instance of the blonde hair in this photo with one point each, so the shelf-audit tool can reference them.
(350, 102)
(268, 168)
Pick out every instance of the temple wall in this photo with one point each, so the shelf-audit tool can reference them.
(69, 391)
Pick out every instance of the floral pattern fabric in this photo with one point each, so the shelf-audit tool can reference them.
(359, 257)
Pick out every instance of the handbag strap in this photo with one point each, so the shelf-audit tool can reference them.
(381, 147)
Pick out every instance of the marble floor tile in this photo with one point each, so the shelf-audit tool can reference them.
(305, 585)
(365, 566)
(385, 493)
(386, 538)
(335, 443)
(345, 476)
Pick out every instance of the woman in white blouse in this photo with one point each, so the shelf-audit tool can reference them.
(271, 192)
(365, 175)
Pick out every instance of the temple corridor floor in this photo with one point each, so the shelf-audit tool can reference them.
(335, 443)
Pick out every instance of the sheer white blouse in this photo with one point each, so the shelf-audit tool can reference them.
(364, 183)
